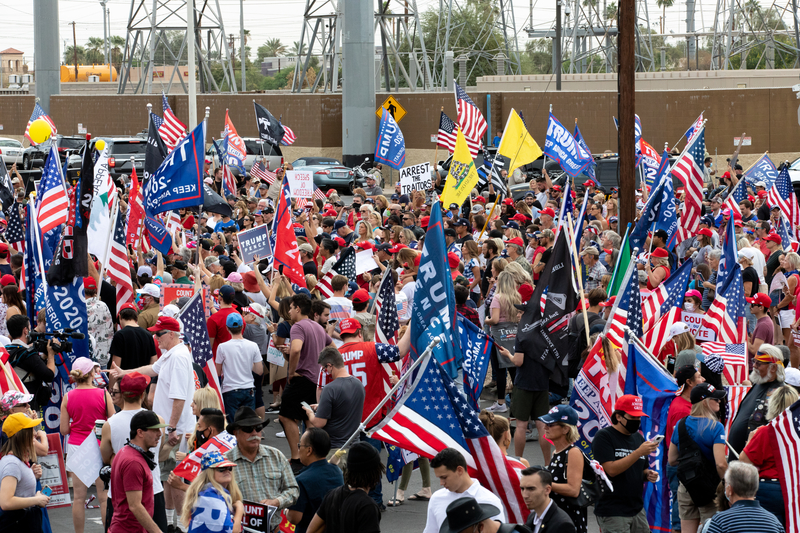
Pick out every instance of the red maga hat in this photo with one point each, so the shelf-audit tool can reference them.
(165, 323)
(348, 326)
(630, 405)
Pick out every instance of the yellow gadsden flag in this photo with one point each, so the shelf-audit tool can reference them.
(517, 144)
(462, 177)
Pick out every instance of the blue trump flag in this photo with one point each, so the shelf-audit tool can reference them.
(647, 378)
(434, 310)
(390, 147)
(477, 346)
(585, 148)
(649, 219)
(763, 170)
(178, 182)
(730, 254)
(157, 235)
(562, 146)
(668, 215)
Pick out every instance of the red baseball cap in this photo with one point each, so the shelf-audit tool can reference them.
(127, 306)
(479, 199)
(737, 222)
(509, 201)
(89, 283)
(762, 194)
(330, 193)
(771, 236)
(341, 242)
(760, 299)
(360, 296)
(548, 211)
(349, 325)
(365, 245)
(330, 213)
(396, 248)
(423, 222)
(453, 260)
(525, 292)
(609, 302)
(8, 279)
(630, 405)
(165, 323)
(134, 382)
(557, 188)
(705, 231)
(519, 217)
(582, 303)
(659, 252)
(517, 241)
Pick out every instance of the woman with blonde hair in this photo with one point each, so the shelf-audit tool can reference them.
(214, 488)
(204, 397)
(408, 238)
(520, 275)
(502, 322)
(79, 409)
(311, 285)
(395, 236)
(500, 430)
(472, 269)
(611, 208)
(657, 268)
(364, 232)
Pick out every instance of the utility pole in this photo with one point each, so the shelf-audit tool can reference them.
(105, 39)
(557, 46)
(190, 44)
(626, 101)
(75, 49)
(242, 46)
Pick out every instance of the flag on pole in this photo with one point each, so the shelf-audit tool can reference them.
(38, 113)
(156, 150)
(562, 147)
(730, 255)
(517, 146)
(387, 325)
(689, 169)
(345, 266)
(9, 380)
(288, 136)
(735, 357)
(470, 120)
(781, 194)
(725, 315)
(650, 214)
(118, 268)
(171, 129)
(195, 332)
(135, 214)
(591, 396)
(235, 150)
(694, 129)
(462, 176)
(286, 252)
(228, 181)
(762, 170)
(269, 128)
(785, 441)
(585, 150)
(390, 145)
(627, 309)
(668, 294)
(446, 137)
(100, 224)
(782, 228)
(259, 171)
(53, 208)
(478, 348)
(14, 231)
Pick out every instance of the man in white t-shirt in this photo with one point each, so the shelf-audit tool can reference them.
(341, 307)
(237, 360)
(451, 469)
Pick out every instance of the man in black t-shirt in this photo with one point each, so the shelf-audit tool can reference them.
(132, 346)
(622, 452)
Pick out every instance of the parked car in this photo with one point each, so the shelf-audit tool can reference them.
(35, 155)
(120, 151)
(11, 150)
(255, 147)
(328, 172)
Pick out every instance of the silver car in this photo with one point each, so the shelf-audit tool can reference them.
(11, 151)
(255, 148)
(329, 173)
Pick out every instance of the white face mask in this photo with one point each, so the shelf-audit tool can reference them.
(688, 307)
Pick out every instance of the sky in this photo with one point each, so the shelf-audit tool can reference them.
(274, 18)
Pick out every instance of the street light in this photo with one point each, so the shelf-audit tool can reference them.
(105, 41)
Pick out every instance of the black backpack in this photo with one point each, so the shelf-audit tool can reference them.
(695, 471)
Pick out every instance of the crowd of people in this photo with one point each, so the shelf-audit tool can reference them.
(157, 406)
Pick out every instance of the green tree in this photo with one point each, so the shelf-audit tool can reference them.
(611, 13)
(69, 55)
(538, 57)
(116, 44)
(271, 48)
(664, 4)
(295, 50)
(94, 50)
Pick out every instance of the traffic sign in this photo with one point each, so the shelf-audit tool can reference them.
(392, 106)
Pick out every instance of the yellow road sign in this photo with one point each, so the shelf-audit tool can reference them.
(392, 106)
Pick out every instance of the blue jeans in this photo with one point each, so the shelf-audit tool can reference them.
(238, 398)
(770, 496)
(672, 476)
(377, 492)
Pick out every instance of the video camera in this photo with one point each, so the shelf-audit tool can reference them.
(39, 340)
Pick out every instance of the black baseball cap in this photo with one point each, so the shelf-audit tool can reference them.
(383, 247)
(145, 419)
(683, 374)
(450, 232)
(706, 390)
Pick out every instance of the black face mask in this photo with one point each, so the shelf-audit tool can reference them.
(200, 438)
(632, 426)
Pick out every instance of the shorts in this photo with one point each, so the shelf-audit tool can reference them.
(624, 524)
(300, 389)
(786, 318)
(528, 405)
(689, 511)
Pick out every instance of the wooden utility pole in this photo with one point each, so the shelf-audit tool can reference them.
(626, 107)
(75, 49)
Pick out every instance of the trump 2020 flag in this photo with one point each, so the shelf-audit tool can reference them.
(591, 397)
(562, 146)
(649, 218)
(477, 346)
(390, 148)
(178, 182)
(763, 170)
(434, 310)
(650, 380)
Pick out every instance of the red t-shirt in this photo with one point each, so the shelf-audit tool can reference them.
(368, 361)
(759, 451)
(680, 408)
(130, 473)
(217, 328)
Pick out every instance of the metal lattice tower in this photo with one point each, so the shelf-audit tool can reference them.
(148, 25)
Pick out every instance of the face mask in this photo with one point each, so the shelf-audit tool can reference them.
(200, 438)
(632, 425)
(689, 307)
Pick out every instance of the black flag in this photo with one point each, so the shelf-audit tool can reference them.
(544, 336)
(156, 150)
(214, 203)
(269, 128)
(6, 188)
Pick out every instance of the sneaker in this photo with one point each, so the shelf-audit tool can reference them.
(281, 435)
(532, 434)
(273, 408)
(497, 408)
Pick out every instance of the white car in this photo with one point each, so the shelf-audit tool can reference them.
(11, 150)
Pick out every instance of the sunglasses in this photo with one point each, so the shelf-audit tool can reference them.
(225, 469)
(161, 333)
(250, 429)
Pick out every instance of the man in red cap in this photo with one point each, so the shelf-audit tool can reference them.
(5, 268)
(764, 330)
(622, 452)
(546, 217)
(516, 253)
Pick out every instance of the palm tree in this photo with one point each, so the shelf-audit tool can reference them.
(611, 12)
(115, 43)
(664, 4)
(295, 50)
(94, 50)
(69, 55)
(271, 48)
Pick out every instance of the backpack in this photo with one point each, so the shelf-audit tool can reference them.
(695, 471)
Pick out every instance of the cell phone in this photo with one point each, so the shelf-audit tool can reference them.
(657, 440)
(47, 491)
(332, 321)
(304, 404)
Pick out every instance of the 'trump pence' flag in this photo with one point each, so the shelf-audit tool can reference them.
(591, 397)
(390, 146)
(562, 146)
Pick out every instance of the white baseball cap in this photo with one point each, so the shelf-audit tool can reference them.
(150, 289)
(144, 269)
(677, 328)
(792, 377)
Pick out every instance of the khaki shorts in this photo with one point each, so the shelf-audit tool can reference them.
(529, 405)
(624, 524)
(687, 510)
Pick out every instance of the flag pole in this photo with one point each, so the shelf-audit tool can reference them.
(640, 344)
(363, 425)
(571, 236)
(544, 162)
(619, 257)
(436, 153)
(681, 137)
(110, 236)
(37, 235)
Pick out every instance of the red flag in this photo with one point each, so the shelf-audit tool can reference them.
(135, 214)
(287, 252)
(9, 380)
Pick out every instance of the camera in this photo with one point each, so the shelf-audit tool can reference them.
(39, 340)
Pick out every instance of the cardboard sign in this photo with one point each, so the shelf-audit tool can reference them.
(252, 242)
(274, 355)
(190, 466)
(301, 183)
(365, 262)
(54, 472)
(415, 178)
(257, 516)
(693, 320)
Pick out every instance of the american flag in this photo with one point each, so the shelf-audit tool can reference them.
(725, 315)
(300, 203)
(787, 435)
(781, 194)
(195, 332)
(38, 113)
(118, 268)
(627, 309)
(9, 380)
(737, 196)
(735, 356)
(470, 120)
(318, 194)
(173, 222)
(260, 172)
(729, 256)
(446, 137)
(788, 242)
(53, 209)
(171, 129)
(689, 168)
(288, 136)
(433, 415)
(663, 307)
(694, 128)
(346, 266)
(736, 394)
(387, 324)
(14, 230)
(566, 208)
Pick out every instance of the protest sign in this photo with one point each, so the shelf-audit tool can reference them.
(415, 178)
(190, 466)
(257, 516)
(274, 355)
(172, 291)
(301, 183)
(54, 473)
(252, 242)
(85, 460)
(365, 262)
(693, 320)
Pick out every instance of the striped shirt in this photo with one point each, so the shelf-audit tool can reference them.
(741, 517)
